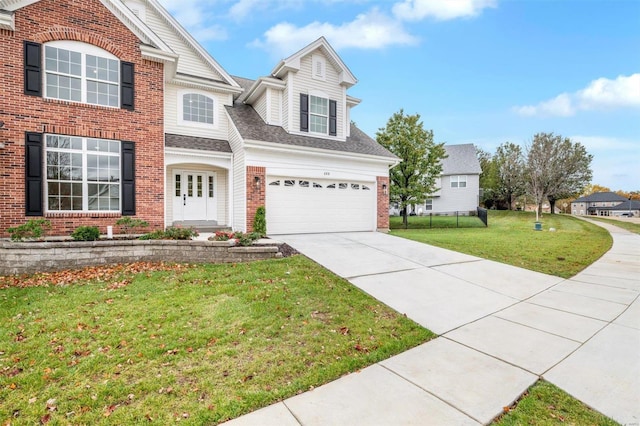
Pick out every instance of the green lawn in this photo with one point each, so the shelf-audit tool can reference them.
(510, 238)
(200, 344)
(546, 404)
(624, 224)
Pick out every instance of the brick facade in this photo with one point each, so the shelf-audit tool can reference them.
(90, 22)
(256, 195)
(382, 203)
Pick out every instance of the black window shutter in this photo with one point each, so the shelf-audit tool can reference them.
(32, 68)
(126, 85)
(33, 174)
(304, 112)
(128, 159)
(333, 118)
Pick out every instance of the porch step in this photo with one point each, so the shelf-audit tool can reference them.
(202, 225)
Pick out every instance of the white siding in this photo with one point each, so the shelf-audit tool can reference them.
(172, 115)
(190, 61)
(457, 199)
(260, 105)
(275, 116)
(238, 222)
(304, 83)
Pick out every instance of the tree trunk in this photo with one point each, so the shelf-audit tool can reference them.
(552, 204)
(403, 212)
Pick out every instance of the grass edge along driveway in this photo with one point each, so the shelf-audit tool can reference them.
(510, 238)
(198, 344)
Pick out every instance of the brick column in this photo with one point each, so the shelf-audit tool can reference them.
(255, 192)
(383, 203)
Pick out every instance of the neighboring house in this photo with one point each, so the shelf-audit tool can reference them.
(604, 204)
(110, 108)
(458, 185)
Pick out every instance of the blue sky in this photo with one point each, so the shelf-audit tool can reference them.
(477, 71)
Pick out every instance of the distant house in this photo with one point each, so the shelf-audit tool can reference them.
(458, 185)
(604, 204)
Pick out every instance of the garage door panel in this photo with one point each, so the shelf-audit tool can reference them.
(309, 205)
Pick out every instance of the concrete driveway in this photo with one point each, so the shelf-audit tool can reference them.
(501, 329)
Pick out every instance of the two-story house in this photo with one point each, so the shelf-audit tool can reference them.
(111, 108)
(458, 186)
(603, 204)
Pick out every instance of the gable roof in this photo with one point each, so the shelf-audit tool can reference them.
(253, 128)
(292, 63)
(600, 197)
(153, 47)
(201, 51)
(462, 159)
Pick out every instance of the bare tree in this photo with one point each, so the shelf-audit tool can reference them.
(510, 164)
(556, 168)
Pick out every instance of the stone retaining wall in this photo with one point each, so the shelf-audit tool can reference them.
(31, 257)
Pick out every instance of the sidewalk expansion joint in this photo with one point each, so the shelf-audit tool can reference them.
(430, 393)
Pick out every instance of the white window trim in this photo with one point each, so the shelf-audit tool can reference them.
(84, 49)
(322, 95)
(318, 63)
(187, 123)
(458, 179)
(84, 182)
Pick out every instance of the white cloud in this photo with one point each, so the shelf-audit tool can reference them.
(196, 17)
(371, 30)
(623, 91)
(602, 93)
(416, 10)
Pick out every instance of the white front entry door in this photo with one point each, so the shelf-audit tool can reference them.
(194, 196)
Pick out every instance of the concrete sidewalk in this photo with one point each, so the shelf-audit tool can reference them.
(501, 329)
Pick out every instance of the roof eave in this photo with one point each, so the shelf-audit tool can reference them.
(275, 146)
(260, 85)
(7, 21)
(201, 51)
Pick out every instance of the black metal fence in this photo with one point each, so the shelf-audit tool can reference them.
(483, 216)
(457, 219)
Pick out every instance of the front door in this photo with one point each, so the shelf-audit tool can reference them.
(194, 196)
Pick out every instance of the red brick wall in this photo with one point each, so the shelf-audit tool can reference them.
(383, 203)
(88, 21)
(255, 193)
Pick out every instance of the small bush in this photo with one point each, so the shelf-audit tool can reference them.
(34, 229)
(221, 236)
(86, 233)
(260, 221)
(171, 233)
(128, 225)
(246, 239)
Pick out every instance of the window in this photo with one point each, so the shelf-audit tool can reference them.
(197, 108)
(458, 181)
(80, 72)
(83, 174)
(318, 114)
(428, 205)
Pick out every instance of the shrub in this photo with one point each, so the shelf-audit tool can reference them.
(171, 233)
(34, 229)
(86, 233)
(246, 239)
(260, 221)
(128, 225)
(221, 236)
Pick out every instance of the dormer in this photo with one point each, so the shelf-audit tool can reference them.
(306, 93)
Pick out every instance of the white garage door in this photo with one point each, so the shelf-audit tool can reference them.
(306, 205)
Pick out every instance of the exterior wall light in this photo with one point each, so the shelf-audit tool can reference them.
(257, 181)
(384, 188)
